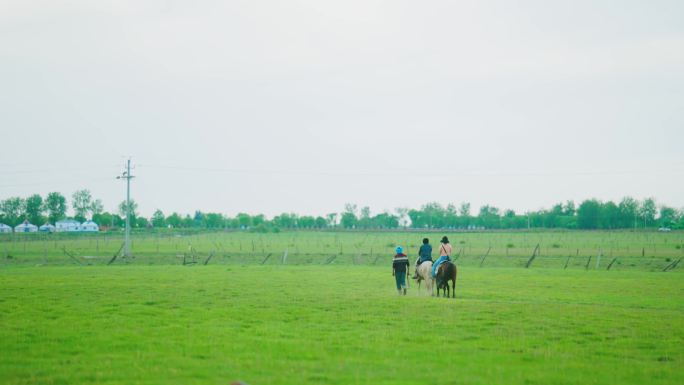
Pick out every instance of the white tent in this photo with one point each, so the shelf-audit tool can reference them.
(47, 228)
(26, 227)
(89, 226)
(4, 228)
(68, 225)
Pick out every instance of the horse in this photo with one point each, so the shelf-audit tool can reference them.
(446, 272)
(424, 272)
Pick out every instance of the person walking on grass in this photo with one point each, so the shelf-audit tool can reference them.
(444, 253)
(424, 254)
(400, 269)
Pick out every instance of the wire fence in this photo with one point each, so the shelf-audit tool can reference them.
(558, 250)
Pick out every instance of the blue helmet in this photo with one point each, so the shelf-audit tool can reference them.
(399, 250)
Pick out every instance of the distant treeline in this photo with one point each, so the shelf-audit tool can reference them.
(590, 214)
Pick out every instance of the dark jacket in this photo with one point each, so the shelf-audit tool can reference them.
(425, 252)
(400, 263)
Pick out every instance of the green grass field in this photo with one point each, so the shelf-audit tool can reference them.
(650, 251)
(152, 320)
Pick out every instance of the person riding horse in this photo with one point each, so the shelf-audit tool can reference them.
(424, 254)
(444, 253)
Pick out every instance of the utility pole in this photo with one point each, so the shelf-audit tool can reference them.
(127, 175)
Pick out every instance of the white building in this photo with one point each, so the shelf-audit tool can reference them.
(89, 226)
(26, 227)
(67, 225)
(4, 228)
(47, 228)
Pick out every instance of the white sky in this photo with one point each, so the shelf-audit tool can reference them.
(302, 106)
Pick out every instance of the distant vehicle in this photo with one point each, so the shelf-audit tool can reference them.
(665, 229)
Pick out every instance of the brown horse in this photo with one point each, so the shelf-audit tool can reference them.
(446, 272)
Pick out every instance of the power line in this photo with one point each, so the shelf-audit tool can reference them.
(399, 173)
(59, 182)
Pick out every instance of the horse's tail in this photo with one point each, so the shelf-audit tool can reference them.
(453, 283)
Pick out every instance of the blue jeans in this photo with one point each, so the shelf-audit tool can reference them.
(436, 264)
(400, 277)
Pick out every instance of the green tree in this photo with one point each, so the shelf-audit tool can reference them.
(610, 215)
(12, 209)
(82, 202)
(34, 209)
(175, 220)
(141, 222)
(647, 212)
(285, 220)
(199, 219)
(244, 220)
(131, 209)
(331, 220)
(307, 222)
(258, 220)
(569, 208)
(321, 222)
(464, 218)
(214, 220)
(489, 217)
(589, 214)
(628, 211)
(107, 220)
(158, 219)
(668, 216)
(349, 219)
(56, 206)
(385, 221)
(402, 216)
(365, 218)
(434, 214)
(464, 209)
(96, 207)
(188, 221)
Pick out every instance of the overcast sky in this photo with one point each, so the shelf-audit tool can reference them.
(302, 106)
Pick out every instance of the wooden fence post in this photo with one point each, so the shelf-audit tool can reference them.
(485, 255)
(672, 265)
(534, 254)
(209, 257)
(266, 259)
(71, 256)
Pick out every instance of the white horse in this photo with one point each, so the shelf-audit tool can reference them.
(425, 274)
